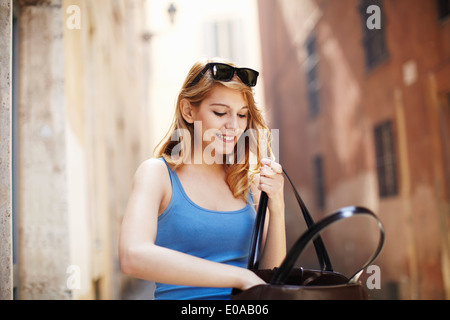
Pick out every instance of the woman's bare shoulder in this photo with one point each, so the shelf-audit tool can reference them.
(152, 172)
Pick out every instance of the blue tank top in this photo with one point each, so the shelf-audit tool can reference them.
(220, 236)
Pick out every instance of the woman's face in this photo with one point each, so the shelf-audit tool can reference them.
(223, 115)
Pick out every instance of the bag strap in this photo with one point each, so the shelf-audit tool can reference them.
(322, 254)
(256, 241)
(282, 273)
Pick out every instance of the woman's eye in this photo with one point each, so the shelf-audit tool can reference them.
(221, 114)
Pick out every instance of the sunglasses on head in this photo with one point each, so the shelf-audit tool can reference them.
(225, 72)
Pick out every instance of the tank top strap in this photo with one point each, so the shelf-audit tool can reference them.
(176, 186)
(251, 198)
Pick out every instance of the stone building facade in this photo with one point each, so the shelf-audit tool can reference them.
(74, 123)
(364, 119)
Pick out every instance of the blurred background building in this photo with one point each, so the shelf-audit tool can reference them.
(87, 89)
(79, 122)
(364, 120)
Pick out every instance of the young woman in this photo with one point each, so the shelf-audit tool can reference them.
(190, 215)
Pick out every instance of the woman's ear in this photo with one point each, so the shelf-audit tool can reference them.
(186, 111)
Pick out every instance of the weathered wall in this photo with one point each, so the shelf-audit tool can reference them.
(106, 78)
(6, 263)
(43, 204)
(82, 131)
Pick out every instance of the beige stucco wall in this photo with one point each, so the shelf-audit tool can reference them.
(82, 132)
(5, 152)
(43, 203)
(106, 74)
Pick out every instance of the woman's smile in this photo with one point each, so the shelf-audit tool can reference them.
(226, 138)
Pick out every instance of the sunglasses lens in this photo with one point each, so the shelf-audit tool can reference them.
(222, 72)
(248, 76)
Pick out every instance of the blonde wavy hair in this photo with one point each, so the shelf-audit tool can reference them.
(239, 172)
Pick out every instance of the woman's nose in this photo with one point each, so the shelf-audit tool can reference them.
(232, 122)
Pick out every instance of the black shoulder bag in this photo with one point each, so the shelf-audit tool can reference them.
(292, 283)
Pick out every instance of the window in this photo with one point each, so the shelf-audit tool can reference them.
(312, 76)
(443, 7)
(374, 40)
(386, 160)
(320, 181)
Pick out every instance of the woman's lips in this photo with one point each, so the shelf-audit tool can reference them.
(225, 138)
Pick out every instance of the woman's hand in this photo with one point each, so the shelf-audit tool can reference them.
(250, 280)
(271, 181)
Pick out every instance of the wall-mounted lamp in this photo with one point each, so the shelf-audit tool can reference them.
(148, 35)
(171, 11)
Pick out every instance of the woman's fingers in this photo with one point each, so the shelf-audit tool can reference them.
(270, 167)
(267, 171)
(271, 179)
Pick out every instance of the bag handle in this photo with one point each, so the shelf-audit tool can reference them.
(282, 273)
(322, 254)
(256, 241)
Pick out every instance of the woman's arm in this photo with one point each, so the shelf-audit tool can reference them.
(271, 181)
(140, 257)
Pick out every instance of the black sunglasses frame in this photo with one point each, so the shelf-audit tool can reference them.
(241, 73)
